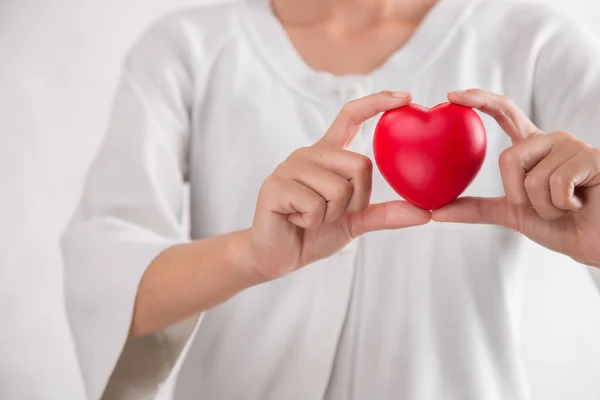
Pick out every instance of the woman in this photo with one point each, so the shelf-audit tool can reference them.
(242, 102)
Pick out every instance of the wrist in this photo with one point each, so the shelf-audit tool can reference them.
(242, 260)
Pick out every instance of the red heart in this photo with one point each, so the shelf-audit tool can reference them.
(429, 157)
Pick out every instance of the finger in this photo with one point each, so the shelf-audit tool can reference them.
(354, 167)
(477, 210)
(519, 159)
(384, 216)
(295, 202)
(355, 113)
(336, 190)
(575, 172)
(537, 184)
(510, 117)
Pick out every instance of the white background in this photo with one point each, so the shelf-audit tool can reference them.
(58, 69)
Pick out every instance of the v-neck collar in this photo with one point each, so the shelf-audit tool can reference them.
(429, 39)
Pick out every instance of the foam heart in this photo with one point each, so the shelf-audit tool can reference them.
(430, 156)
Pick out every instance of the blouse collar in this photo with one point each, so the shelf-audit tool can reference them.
(272, 42)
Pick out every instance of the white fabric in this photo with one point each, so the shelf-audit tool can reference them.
(217, 97)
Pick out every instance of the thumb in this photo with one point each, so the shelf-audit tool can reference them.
(390, 215)
(478, 210)
(348, 122)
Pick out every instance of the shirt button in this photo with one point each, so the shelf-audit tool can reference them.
(351, 92)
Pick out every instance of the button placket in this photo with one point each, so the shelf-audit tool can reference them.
(352, 90)
(360, 144)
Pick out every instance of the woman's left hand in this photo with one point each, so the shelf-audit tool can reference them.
(551, 181)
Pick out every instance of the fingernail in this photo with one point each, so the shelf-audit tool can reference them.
(458, 91)
(400, 95)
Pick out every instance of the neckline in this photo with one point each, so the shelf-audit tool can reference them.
(272, 42)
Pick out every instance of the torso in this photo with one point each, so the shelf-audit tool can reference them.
(413, 314)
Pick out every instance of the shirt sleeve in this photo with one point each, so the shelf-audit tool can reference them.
(566, 94)
(130, 211)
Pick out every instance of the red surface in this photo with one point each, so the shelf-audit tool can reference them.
(430, 156)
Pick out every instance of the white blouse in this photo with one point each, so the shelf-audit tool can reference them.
(216, 97)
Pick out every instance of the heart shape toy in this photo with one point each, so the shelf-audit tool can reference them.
(430, 156)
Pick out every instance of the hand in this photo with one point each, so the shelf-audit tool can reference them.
(551, 181)
(317, 200)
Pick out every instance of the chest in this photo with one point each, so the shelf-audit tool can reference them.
(251, 121)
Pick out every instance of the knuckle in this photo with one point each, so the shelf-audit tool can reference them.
(349, 109)
(270, 180)
(363, 164)
(567, 140)
(270, 183)
(286, 168)
(282, 168)
(506, 102)
(562, 135)
(503, 102)
(534, 182)
(559, 180)
(508, 158)
(561, 202)
(299, 153)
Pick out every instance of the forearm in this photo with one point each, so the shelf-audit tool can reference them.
(190, 278)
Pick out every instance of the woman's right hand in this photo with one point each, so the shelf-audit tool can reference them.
(311, 206)
(318, 200)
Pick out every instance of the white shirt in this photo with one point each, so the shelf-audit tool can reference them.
(216, 97)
